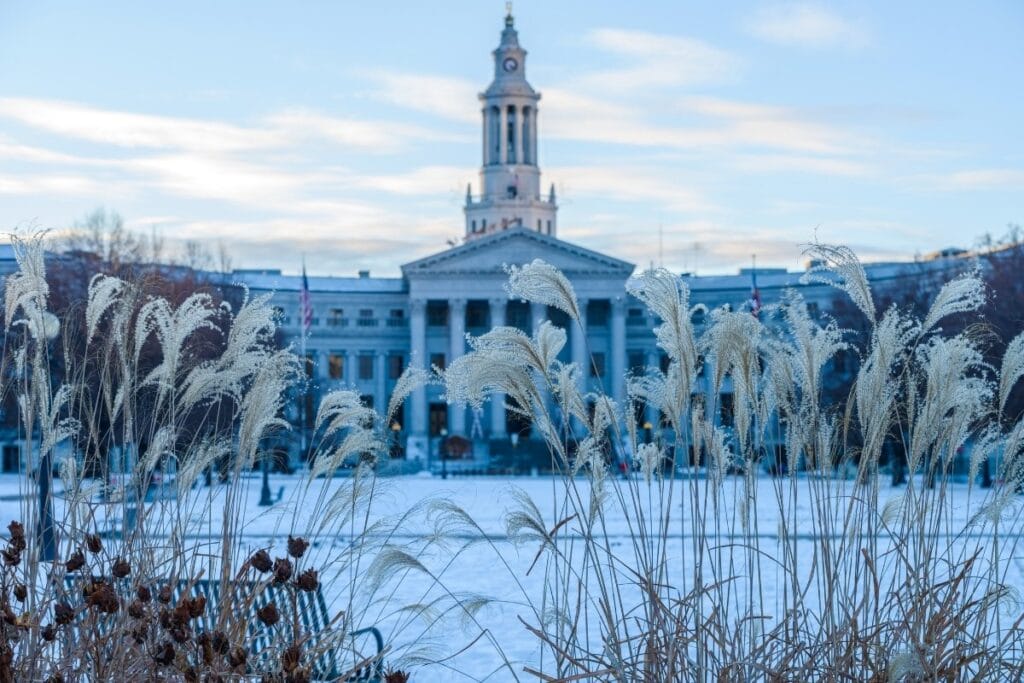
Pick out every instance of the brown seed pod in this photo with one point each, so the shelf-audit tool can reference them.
(93, 543)
(307, 581)
(164, 595)
(290, 658)
(144, 593)
(282, 570)
(238, 656)
(137, 610)
(17, 531)
(165, 654)
(197, 606)
(300, 675)
(20, 592)
(48, 633)
(268, 614)
(12, 556)
(120, 568)
(220, 642)
(261, 561)
(103, 597)
(297, 546)
(75, 562)
(63, 614)
(396, 677)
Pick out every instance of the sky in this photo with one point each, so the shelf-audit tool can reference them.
(688, 134)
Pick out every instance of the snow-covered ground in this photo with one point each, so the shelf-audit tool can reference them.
(496, 568)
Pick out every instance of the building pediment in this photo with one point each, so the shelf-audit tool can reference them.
(516, 246)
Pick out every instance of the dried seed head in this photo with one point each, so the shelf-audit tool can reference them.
(238, 656)
(103, 597)
(75, 562)
(20, 592)
(164, 595)
(12, 556)
(290, 658)
(120, 568)
(282, 570)
(139, 634)
(144, 593)
(93, 543)
(181, 634)
(63, 614)
(48, 632)
(136, 610)
(165, 654)
(261, 561)
(56, 678)
(297, 546)
(268, 614)
(17, 532)
(396, 677)
(220, 642)
(197, 606)
(307, 581)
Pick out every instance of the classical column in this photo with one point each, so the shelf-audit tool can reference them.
(503, 134)
(618, 360)
(579, 344)
(418, 356)
(486, 136)
(380, 398)
(533, 136)
(580, 356)
(538, 314)
(352, 367)
(457, 347)
(498, 307)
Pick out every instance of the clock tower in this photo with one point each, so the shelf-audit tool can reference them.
(510, 192)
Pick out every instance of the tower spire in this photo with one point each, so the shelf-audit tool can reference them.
(510, 189)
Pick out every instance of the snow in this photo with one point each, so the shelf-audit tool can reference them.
(496, 568)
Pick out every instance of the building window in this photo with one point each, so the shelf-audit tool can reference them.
(597, 365)
(812, 309)
(477, 314)
(473, 224)
(511, 135)
(597, 313)
(437, 313)
(336, 366)
(280, 316)
(727, 410)
(437, 360)
(335, 317)
(396, 365)
(549, 227)
(663, 362)
(527, 156)
(698, 317)
(636, 362)
(365, 366)
(517, 314)
(438, 418)
(367, 400)
(539, 227)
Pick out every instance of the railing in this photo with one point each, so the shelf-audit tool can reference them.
(337, 322)
(366, 322)
(636, 321)
(398, 322)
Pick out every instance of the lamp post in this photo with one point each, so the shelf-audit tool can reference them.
(514, 438)
(441, 453)
(265, 498)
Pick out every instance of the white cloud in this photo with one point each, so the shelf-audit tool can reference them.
(630, 184)
(659, 60)
(806, 25)
(443, 96)
(979, 179)
(125, 129)
(435, 181)
(770, 163)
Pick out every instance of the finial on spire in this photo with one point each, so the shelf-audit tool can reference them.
(508, 13)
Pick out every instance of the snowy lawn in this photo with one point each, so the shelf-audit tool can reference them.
(470, 568)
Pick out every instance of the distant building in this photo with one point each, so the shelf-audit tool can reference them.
(365, 330)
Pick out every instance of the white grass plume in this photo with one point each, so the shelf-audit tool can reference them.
(960, 295)
(103, 293)
(1012, 369)
(542, 283)
(843, 270)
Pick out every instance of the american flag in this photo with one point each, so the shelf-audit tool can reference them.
(305, 304)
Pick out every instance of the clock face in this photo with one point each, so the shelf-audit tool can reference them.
(510, 64)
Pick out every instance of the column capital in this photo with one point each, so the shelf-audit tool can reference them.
(618, 303)
(417, 305)
(457, 303)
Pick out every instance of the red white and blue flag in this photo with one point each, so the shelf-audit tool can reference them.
(305, 303)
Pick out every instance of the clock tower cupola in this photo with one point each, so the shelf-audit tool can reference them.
(510, 192)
